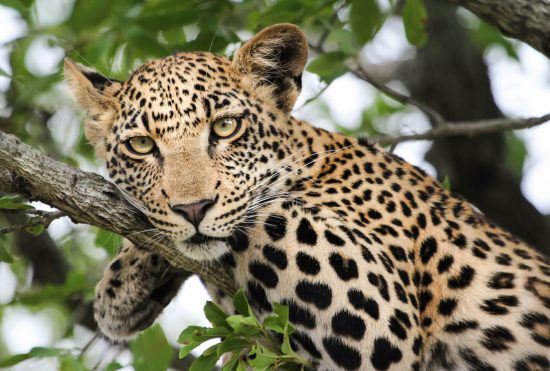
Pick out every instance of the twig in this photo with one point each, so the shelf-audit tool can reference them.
(355, 67)
(466, 128)
(435, 117)
(45, 218)
(317, 95)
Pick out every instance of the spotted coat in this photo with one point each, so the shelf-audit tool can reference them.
(381, 267)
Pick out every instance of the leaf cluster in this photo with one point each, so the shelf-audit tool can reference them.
(249, 342)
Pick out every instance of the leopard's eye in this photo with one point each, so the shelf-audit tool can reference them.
(225, 127)
(141, 145)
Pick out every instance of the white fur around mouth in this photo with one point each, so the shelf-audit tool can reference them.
(209, 250)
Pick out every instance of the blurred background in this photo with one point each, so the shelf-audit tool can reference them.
(442, 56)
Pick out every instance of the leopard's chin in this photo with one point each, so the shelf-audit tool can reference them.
(203, 249)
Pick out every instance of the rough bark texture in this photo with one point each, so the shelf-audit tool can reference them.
(449, 74)
(90, 199)
(526, 20)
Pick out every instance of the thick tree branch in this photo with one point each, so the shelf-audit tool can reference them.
(468, 128)
(526, 20)
(89, 198)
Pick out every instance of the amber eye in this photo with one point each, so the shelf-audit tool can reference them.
(140, 145)
(225, 127)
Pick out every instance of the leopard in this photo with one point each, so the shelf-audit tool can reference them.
(381, 267)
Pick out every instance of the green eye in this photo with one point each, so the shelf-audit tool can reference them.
(140, 145)
(225, 127)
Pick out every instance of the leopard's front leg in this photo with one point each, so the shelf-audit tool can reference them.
(134, 289)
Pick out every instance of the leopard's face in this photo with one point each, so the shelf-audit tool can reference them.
(192, 139)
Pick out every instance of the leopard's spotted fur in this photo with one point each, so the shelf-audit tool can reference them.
(382, 268)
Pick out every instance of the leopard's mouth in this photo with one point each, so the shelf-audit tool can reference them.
(200, 239)
(202, 247)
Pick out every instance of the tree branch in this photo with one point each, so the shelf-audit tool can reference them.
(88, 198)
(468, 128)
(43, 218)
(526, 20)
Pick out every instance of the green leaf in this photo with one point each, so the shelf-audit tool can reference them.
(68, 363)
(486, 35)
(241, 366)
(232, 344)
(244, 325)
(76, 282)
(188, 334)
(261, 357)
(4, 255)
(328, 66)
(108, 241)
(35, 229)
(273, 323)
(414, 19)
(4, 73)
(215, 314)
(446, 183)
(34, 353)
(193, 336)
(14, 203)
(281, 311)
(365, 19)
(151, 351)
(113, 366)
(241, 303)
(206, 361)
(346, 41)
(516, 152)
(231, 365)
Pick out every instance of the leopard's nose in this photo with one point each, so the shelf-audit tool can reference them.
(194, 213)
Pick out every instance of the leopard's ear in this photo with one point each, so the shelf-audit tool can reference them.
(94, 93)
(275, 58)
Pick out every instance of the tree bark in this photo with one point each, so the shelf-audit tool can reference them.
(526, 20)
(449, 74)
(89, 198)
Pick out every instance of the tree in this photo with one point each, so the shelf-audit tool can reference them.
(469, 147)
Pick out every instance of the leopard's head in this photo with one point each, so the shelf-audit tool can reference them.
(193, 138)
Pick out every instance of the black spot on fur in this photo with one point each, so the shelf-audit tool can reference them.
(360, 302)
(497, 338)
(397, 329)
(345, 268)
(346, 324)
(307, 263)
(474, 361)
(334, 239)
(463, 279)
(446, 307)
(532, 362)
(275, 256)
(501, 280)
(238, 242)
(258, 296)
(461, 326)
(300, 315)
(445, 263)
(263, 273)
(343, 355)
(305, 341)
(384, 354)
(305, 233)
(275, 226)
(428, 249)
(316, 293)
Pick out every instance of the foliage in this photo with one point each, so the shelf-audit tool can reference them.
(116, 36)
(249, 342)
